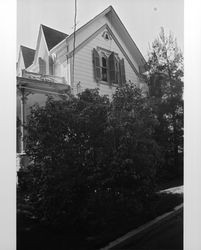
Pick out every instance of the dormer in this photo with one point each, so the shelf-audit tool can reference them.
(25, 59)
(47, 39)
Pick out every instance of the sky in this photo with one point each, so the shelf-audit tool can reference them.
(142, 18)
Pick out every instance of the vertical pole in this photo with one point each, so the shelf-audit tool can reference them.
(22, 119)
(75, 23)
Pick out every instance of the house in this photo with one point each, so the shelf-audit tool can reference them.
(101, 54)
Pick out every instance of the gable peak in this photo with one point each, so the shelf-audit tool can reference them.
(52, 36)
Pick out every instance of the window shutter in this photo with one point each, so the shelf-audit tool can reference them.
(117, 71)
(122, 71)
(96, 63)
(42, 66)
(51, 70)
(111, 63)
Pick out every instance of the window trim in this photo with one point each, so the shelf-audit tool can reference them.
(104, 56)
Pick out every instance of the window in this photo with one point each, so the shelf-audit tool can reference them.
(106, 35)
(108, 67)
(42, 66)
(104, 68)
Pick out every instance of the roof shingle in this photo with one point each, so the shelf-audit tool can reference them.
(28, 55)
(52, 36)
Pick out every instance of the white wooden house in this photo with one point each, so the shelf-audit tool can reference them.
(101, 54)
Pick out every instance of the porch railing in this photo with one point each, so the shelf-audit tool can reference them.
(44, 78)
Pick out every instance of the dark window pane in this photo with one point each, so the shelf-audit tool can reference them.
(104, 64)
(104, 74)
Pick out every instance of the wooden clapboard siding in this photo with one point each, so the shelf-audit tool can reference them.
(20, 65)
(43, 53)
(84, 65)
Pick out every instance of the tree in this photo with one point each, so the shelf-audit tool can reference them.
(166, 88)
(133, 124)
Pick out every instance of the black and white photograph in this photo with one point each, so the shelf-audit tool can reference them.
(100, 125)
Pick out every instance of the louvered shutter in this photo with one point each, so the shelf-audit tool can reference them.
(96, 65)
(122, 71)
(51, 71)
(111, 63)
(117, 71)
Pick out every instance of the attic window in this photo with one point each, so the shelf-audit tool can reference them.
(106, 35)
(108, 67)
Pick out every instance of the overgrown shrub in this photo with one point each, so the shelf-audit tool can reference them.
(92, 160)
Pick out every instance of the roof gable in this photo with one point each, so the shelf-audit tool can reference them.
(28, 55)
(101, 30)
(122, 32)
(132, 47)
(54, 39)
(52, 36)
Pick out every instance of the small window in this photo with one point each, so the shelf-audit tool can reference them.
(104, 69)
(106, 35)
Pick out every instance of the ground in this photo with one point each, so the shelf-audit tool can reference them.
(167, 237)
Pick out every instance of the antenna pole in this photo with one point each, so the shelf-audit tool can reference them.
(75, 17)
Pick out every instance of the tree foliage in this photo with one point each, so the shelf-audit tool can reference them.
(90, 157)
(166, 89)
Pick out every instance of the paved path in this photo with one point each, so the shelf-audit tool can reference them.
(167, 237)
(173, 190)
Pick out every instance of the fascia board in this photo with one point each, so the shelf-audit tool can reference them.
(20, 58)
(138, 57)
(43, 35)
(123, 51)
(127, 35)
(37, 45)
(19, 54)
(40, 36)
(83, 27)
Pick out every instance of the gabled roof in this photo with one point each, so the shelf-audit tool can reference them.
(110, 13)
(127, 39)
(55, 38)
(28, 55)
(52, 36)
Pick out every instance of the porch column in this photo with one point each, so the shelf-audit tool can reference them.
(22, 114)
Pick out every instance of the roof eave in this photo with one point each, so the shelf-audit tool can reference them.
(126, 31)
(104, 12)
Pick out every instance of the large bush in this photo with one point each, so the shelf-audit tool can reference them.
(92, 160)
